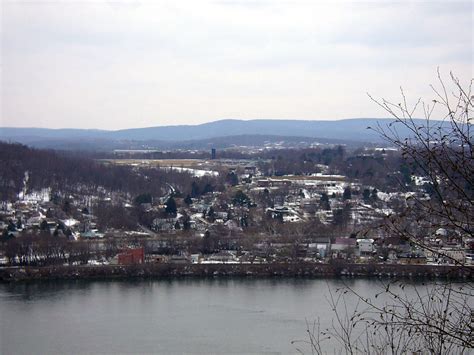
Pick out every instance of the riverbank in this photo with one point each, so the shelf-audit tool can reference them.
(170, 270)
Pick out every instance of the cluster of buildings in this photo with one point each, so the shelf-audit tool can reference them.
(258, 219)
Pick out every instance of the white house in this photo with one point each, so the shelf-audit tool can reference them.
(365, 246)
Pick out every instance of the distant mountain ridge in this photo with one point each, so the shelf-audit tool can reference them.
(206, 130)
(321, 129)
(354, 130)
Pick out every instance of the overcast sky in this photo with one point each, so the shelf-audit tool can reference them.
(120, 64)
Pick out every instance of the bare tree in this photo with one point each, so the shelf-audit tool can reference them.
(441, 152)
(436, 318)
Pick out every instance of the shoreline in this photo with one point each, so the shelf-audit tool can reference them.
(271, 270)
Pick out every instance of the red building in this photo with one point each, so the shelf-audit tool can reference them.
(132, 256)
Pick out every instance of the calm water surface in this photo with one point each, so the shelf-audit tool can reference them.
(179, 316)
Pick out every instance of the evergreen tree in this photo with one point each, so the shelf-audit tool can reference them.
(241, 199)
(143, 198)
(44, 225)
(347, 195)
(188, 200)
(171, 207)
(325, 202)
(366, 195)
(195, 190)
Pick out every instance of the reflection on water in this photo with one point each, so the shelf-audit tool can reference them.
(165, 316)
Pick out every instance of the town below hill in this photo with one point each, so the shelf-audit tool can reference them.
(315, 207)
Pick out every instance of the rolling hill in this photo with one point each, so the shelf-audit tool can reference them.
(201, 135)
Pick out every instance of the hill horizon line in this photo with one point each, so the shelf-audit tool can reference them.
(204, 123)
(354, 130)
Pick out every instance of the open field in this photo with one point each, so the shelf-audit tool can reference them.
(205, 164)
(312, 177)
(185, 163)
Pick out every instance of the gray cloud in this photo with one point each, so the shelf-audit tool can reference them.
(140, 63)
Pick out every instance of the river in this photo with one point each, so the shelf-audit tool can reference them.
(164, 316)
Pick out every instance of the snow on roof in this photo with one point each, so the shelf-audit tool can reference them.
(70, 222)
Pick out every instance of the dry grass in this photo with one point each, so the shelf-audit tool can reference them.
(310, 178)
(185, 163)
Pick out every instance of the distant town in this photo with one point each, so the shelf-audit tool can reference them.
(247, 205)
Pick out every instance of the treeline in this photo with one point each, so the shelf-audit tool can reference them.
(301, 161)
(68, 173)
(44, 249)
(384, 170)
(273, 161)
(318, 155)
(380, 169)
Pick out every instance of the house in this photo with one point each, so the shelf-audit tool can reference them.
(320, 247)
(391, 255)
(284, 213)
(180, 259)
(164, 224)
(325, 217)
(34, 219)
(223, 256)
(447, 255)
(291, 218)
(132, 256)
(91, 233)
(159, 259)
(221, 215)
(365, 246)
(200, 207)
(469, 257)
(393, 243)
(250, 169)
(412, 258)
(343, 247)
(196, 258)
(263, 183)
(273, 182)
(70, 222)
(342, 243)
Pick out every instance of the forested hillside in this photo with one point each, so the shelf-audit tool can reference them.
(74, 173)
